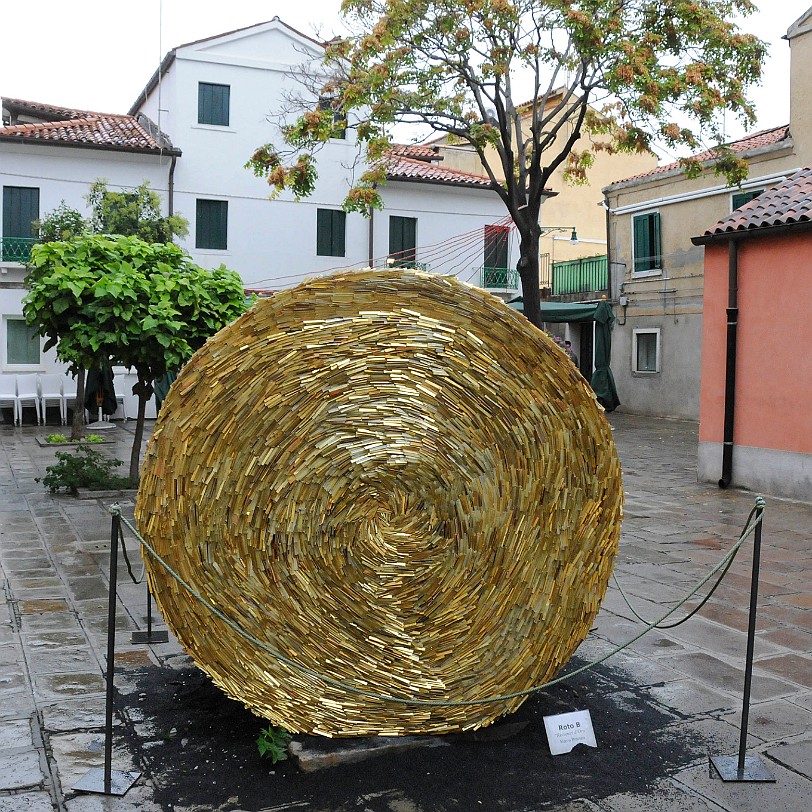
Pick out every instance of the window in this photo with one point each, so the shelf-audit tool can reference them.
(213, 104)
(330, 230)
(211, 225)
(20, 209)
(22, 344)
(646, 350)
(496, 273)
(339, 117)
(403, 241)
(647, 245)
(740, 198)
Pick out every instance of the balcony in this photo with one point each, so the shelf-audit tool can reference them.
(499, 278)
(16, 249)
(576, 276)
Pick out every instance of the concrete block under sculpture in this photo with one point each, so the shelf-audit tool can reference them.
(395, 482)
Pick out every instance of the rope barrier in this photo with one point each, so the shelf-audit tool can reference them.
(723, 565)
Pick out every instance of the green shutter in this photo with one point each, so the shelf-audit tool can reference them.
(403, 239)
(496, 247)
(20, 209)
(213, 104)
(740, 198)
(211, 224)
(22, 343)
(647, 242)
(331, 226)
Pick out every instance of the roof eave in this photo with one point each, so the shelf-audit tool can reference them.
(166, 63)
(21, 139)
(747, 233)
(784, 144)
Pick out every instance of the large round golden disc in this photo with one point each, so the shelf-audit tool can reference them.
(394, 481)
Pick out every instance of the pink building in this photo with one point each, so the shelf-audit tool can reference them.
(756, 389)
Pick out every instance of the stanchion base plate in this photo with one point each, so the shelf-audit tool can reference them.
(754, 769)
(149, 637)
(93, 781)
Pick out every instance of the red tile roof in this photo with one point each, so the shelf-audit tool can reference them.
(47, 112)
(421, 152)
(422, 171)
(750, 143)
(789, 203)
(83, 128)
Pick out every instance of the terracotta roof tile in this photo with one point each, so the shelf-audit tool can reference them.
(763, 138)
(46, 111)
(786, 204)
(421, 152)
(401, 168)
(93, 130)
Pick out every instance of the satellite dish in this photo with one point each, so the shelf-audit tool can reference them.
(490, 116)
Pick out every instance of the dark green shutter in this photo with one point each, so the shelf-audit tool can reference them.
(740, 198)
(647, 242)
(496, 247)
(211, 224)
(213, 104)
(331, 226)
(403, 239)
(20, 209)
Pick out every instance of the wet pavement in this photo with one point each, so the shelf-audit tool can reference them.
(660, 707)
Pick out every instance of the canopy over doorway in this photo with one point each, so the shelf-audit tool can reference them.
(602, 381)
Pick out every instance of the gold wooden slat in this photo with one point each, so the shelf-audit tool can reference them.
(394, 480)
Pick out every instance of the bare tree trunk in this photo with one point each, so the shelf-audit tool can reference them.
(76, 427)
(528, 267)
(143, 389)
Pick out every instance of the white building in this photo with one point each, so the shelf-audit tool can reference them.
(206, 109)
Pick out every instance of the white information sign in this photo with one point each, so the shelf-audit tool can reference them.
(565, 730)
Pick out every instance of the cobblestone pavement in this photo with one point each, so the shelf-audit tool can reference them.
(53, 568)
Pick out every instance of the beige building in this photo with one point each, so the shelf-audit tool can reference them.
(657, 273)
(572, 208)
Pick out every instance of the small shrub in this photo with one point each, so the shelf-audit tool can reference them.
(273, 742)
(94, 438)
(56, 438)
(83, 468)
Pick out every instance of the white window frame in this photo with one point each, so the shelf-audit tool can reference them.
(7, 365)
(657, 364)
(652, 271)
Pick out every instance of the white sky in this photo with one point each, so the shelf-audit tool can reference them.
(98, 54)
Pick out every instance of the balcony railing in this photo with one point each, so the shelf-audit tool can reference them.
(407, 263)
(16, 249)
(583, 275)
(502, 278)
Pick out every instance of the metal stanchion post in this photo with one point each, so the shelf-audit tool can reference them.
(747, 768)
(150, 636)
(107, 781)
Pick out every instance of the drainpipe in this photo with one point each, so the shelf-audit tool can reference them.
(371, 245)
(171, 188)
(730, 362)
(608, 249)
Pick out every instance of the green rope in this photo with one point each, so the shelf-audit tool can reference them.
(115, 510)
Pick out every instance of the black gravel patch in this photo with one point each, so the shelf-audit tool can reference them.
(199, 749)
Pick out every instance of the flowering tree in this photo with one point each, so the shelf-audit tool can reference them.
(631, 71)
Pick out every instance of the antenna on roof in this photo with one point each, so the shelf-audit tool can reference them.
(160, 56)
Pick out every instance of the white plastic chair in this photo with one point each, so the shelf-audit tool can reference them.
(68, 395)
(8, 393)
(50, 388)
(119, 387)
(27, 390)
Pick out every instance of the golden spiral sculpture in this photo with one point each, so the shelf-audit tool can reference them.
(394, 482)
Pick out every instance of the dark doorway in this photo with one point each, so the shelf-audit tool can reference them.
(587, 349)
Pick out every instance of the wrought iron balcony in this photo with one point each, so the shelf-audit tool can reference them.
(501, 278)
(16, 249)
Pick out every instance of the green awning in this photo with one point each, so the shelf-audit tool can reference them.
(603, 382)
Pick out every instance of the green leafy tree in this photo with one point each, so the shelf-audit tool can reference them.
(63, 223)
(630, 71)
(120, 300)
(132, 213)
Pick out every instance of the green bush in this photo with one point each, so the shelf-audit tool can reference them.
(273, 742)
(56, 438)
(83, 468)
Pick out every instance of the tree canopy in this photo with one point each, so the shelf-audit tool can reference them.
(132, 212)
(521, 82)
(120, 300)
